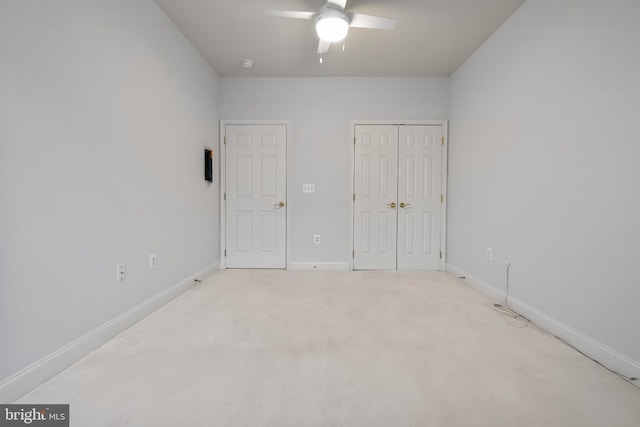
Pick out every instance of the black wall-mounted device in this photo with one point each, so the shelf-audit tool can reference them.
(208, 165)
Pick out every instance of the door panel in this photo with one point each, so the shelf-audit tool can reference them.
(255, 186)
(419, 191)
(399, 165)
(376, 159)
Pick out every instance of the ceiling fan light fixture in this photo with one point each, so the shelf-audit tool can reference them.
(332, 28)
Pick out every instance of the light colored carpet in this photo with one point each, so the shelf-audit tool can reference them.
(356, 349)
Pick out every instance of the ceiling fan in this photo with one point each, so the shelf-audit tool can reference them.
(333, 22)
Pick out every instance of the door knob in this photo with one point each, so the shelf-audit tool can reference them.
(405, 205)
(392, 205)
(279, 205)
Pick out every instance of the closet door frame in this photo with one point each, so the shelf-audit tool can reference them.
(445, 133)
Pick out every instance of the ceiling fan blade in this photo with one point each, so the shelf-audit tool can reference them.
(290, 14)
(359, 20)
(323, 46)
(341, 3)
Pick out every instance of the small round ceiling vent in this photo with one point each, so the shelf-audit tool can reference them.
(247, 63)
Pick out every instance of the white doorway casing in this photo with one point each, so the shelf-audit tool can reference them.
(399, 194)
(253, 178)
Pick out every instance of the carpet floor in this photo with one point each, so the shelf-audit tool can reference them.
(355, 349)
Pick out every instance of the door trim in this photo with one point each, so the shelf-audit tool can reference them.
(223, 183)
(352, 154)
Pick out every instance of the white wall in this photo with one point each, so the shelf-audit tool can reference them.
(104, 112)
(320, 110)
(543, 165)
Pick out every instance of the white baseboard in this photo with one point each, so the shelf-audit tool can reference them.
(596, 350)
(38, 372)
(333, 266)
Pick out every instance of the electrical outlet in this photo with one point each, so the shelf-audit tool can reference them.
(121, 272)
(507, 261)
(308, 188)
(152, 261)
(316, 239)
(489, 254)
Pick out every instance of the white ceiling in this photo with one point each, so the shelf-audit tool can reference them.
(433, 37)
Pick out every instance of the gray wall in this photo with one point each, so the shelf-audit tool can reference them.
(320, 110)
(104, 112)
(544, 149)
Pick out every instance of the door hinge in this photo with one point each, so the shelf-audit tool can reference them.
(440, 254)
(225, 140)
(353, 254)
(225, 252)
(354, 197)
(354, 140)
(225, 197)
(442, 140)
(441, 198)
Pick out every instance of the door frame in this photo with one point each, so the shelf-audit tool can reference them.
(223, 182)
(352, 155)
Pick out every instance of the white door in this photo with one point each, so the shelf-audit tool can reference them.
(255, 196)
(419, 197)
(398, 195)
(376, 189)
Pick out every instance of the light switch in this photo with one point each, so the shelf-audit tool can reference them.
(308, 188)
